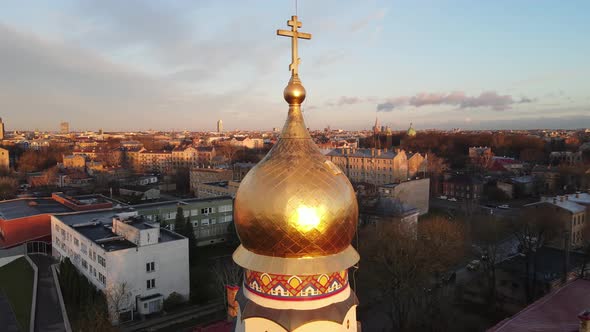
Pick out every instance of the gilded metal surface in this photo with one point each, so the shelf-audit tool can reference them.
(295, 35)
(307, 265)
(295, 203)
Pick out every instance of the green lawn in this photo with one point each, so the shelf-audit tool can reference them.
(16, 281)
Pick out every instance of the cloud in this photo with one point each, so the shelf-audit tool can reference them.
(385, 107)
(44, 82)
(365, 21)
(170, 38)
(487, 99)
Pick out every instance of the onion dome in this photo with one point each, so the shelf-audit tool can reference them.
(411, 131)
(295, 203)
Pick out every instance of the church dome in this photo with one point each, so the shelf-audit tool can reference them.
(295, 203)
(411, 131)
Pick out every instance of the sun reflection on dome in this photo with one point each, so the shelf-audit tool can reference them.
(307, 218)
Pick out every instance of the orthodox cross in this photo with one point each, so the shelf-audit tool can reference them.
(294, 34)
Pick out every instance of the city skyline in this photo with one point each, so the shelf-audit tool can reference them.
(144, 65)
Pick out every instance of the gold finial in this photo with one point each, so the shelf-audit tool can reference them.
(294, 34)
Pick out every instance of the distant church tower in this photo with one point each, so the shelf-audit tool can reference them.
(2, 133)
(411, 131)
(219, 126)
(296, 214)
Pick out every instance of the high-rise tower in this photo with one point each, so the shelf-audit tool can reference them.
(296, 214)
(219, 126)
(2, 133)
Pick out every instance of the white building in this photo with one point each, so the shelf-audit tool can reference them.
(112, 250)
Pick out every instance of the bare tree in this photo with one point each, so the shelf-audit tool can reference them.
(488, 235)
(403, 268)
(118, 299)
(533, 229)
(227, 274)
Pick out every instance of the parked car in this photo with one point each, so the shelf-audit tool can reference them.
(504, 206)
(453, 199)
(443, 197)
(473, 265)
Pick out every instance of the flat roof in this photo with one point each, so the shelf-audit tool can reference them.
(180, 201)
(99, 228)
(101, 232)
(26, 207)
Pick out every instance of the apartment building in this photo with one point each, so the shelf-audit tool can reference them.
(571, 211)
(113, 248)
(377, 166)
(211, 217)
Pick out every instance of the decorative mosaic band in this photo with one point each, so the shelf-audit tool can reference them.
(295, 287)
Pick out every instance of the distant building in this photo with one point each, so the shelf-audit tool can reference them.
(547, 178)
(463, 186)
(216, 189)
(28, 219)
(376, 127)
(241, 169)
(219, 126)
(517, 187)
(144, 193)
(389, 210)
(572, 211)
(112, 249)
(198, 176)
(480, 151)
(413, 193)
(565, 157)
(74, 161)
(64, 127)
(2, 132)
(247, 142)
(211, 217)
(376, 166)
(4, 160)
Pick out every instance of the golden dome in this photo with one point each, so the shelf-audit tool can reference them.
(295, 202)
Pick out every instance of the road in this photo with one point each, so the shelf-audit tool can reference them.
(48, 315)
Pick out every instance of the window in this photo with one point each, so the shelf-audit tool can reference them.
(225, 208)
(102, 279)
(102, 261)
(150, 267)
(151, 283)
(204, 222)
(84, 264)
(76, 242)
(206, 210)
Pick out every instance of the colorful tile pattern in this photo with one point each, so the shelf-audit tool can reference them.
(291, 287)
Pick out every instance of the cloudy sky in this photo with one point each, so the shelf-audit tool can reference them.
(175, 65)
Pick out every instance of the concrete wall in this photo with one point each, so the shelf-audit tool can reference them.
(415, 193)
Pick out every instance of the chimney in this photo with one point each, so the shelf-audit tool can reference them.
(372, 152)
(385, 150)
(561, 198)
(378, 152)
(584, 318)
